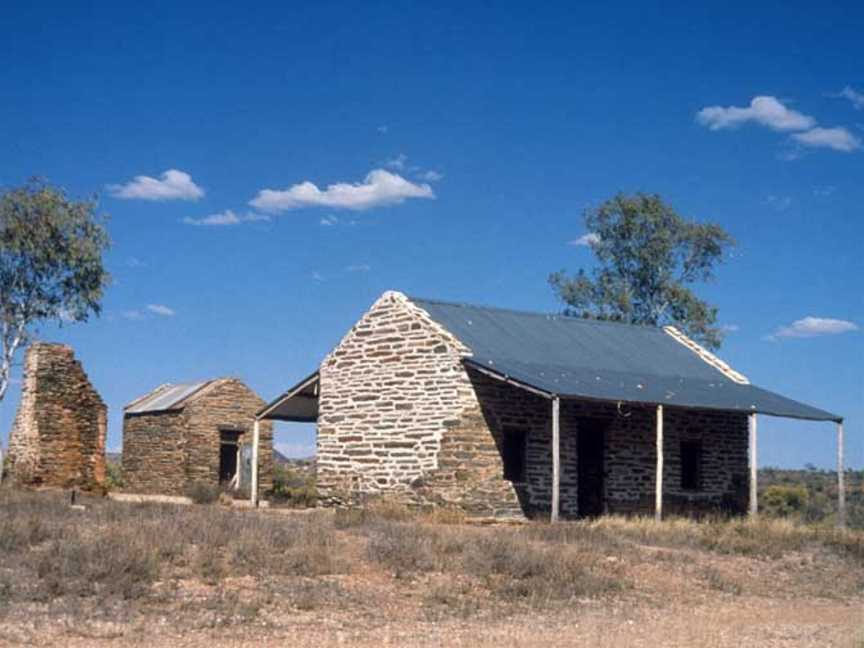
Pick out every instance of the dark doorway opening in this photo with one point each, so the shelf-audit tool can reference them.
(590, 464)
(513, 454)
(229, 447)
(691, 465)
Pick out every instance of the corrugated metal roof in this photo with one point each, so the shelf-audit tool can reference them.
(602, 360)
(165, 398)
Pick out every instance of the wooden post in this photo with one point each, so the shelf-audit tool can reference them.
(754, 467)
(658, 487)
(841, 480)
(556, 457)
(254, 486)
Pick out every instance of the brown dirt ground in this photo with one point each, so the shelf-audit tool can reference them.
(675, 597)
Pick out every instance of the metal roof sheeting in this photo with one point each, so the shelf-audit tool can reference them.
(584, 358)
(165, 398)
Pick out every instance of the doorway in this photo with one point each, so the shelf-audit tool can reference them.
(590, 464)
(229, 449)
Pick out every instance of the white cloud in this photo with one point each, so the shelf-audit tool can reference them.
(431, 176)
(780, 203)
(379, 188)
(825, 191)
(814, 326)
(132, 315)
(227, 217)
(857, 98)
(838, 139)
(767, 111)
(161, 309)
(172, 185)
(586, 240)
(397, 162)
(328, 221)
(359, 267)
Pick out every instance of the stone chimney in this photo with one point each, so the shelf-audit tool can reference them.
(58, 438)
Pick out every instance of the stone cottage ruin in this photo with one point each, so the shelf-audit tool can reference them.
(185, 434)
(504, 413)
(58, 437)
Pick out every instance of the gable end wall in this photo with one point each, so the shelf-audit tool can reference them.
(389, 393)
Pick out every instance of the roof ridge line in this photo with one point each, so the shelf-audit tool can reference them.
(708, 357)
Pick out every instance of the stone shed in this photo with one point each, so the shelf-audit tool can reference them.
(183, 434)
(58, 437)
(510, 414)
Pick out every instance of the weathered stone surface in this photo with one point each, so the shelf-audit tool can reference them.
(400, 414)
(165, 452)
(58, 438)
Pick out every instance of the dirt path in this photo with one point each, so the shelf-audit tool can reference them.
(736, 622)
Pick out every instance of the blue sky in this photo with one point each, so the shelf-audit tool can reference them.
(468, 139)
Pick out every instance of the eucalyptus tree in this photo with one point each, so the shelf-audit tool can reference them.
(51, 265)
(648, 257)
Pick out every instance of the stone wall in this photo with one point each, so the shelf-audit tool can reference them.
(400, 414)
(154, 453)
(165, 452)
(58, 437)
(388, 393)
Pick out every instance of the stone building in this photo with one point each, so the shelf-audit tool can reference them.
(179, 435)
(505, 413)
(58, 437)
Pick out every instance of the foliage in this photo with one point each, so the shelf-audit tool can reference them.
(294, 486)
(50, 263)
(783, 501)
(820, 499)
(648, 255)
(113, 476)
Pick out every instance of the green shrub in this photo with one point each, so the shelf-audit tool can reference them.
(114, 476)
(293, 487)
(783, 501)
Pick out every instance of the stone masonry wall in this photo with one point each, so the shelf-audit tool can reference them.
(470, 468)
(154, 453)
(228, 405)
(389, 392)
(58, 437)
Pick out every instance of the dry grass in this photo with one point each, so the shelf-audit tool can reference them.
(207, 566)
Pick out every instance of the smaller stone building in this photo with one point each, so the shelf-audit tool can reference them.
(184, 434)
(58, 438)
